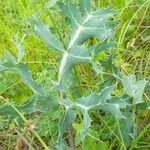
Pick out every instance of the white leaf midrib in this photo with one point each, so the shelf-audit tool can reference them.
(64, 61)
(79, 30)
(71, 43)
(62, 65)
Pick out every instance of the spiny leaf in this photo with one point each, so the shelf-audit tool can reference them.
(22, 69)
(21, 49)
(76, 55)
(66, 121)
(100, 101)
(42, 31)
(69, 116)
(85, 6)
(105, 45)
(25, 74)
(134, 88)
(87, 24)
(97, 102)
(25, 108)
(34, 104)
(19, 46)
(120, 100)
(9, 57)
(127, 126)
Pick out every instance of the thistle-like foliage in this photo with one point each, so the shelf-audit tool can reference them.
(97, 101)
(134, 88)
(22, 70)
(85, 24)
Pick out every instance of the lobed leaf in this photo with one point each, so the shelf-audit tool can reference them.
(34, 104)
(134, 88)
(20, 48)
(94, 102)
(87, 24)
(98, 102)
(25, 74)
(66, 121)
(43, 32)
(76, 55)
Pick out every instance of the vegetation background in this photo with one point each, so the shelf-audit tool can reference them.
(132, 56)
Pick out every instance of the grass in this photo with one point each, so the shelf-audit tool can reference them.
(132, 56)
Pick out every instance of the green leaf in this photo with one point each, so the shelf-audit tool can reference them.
(2, 68)
(22, 69)
(34, 104)
(68, 117)
(76, 55)
(19, 46)
(9, 57)
(87, 24)
(25, 74)
(66, 121)
(134, 88)
(100, 101)
(127, 127)
(7, 109)
(85, 6)
(96, 68)
(26, 77)
(97, 102)
(105, 45)
(42, 31)
(120, 100)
